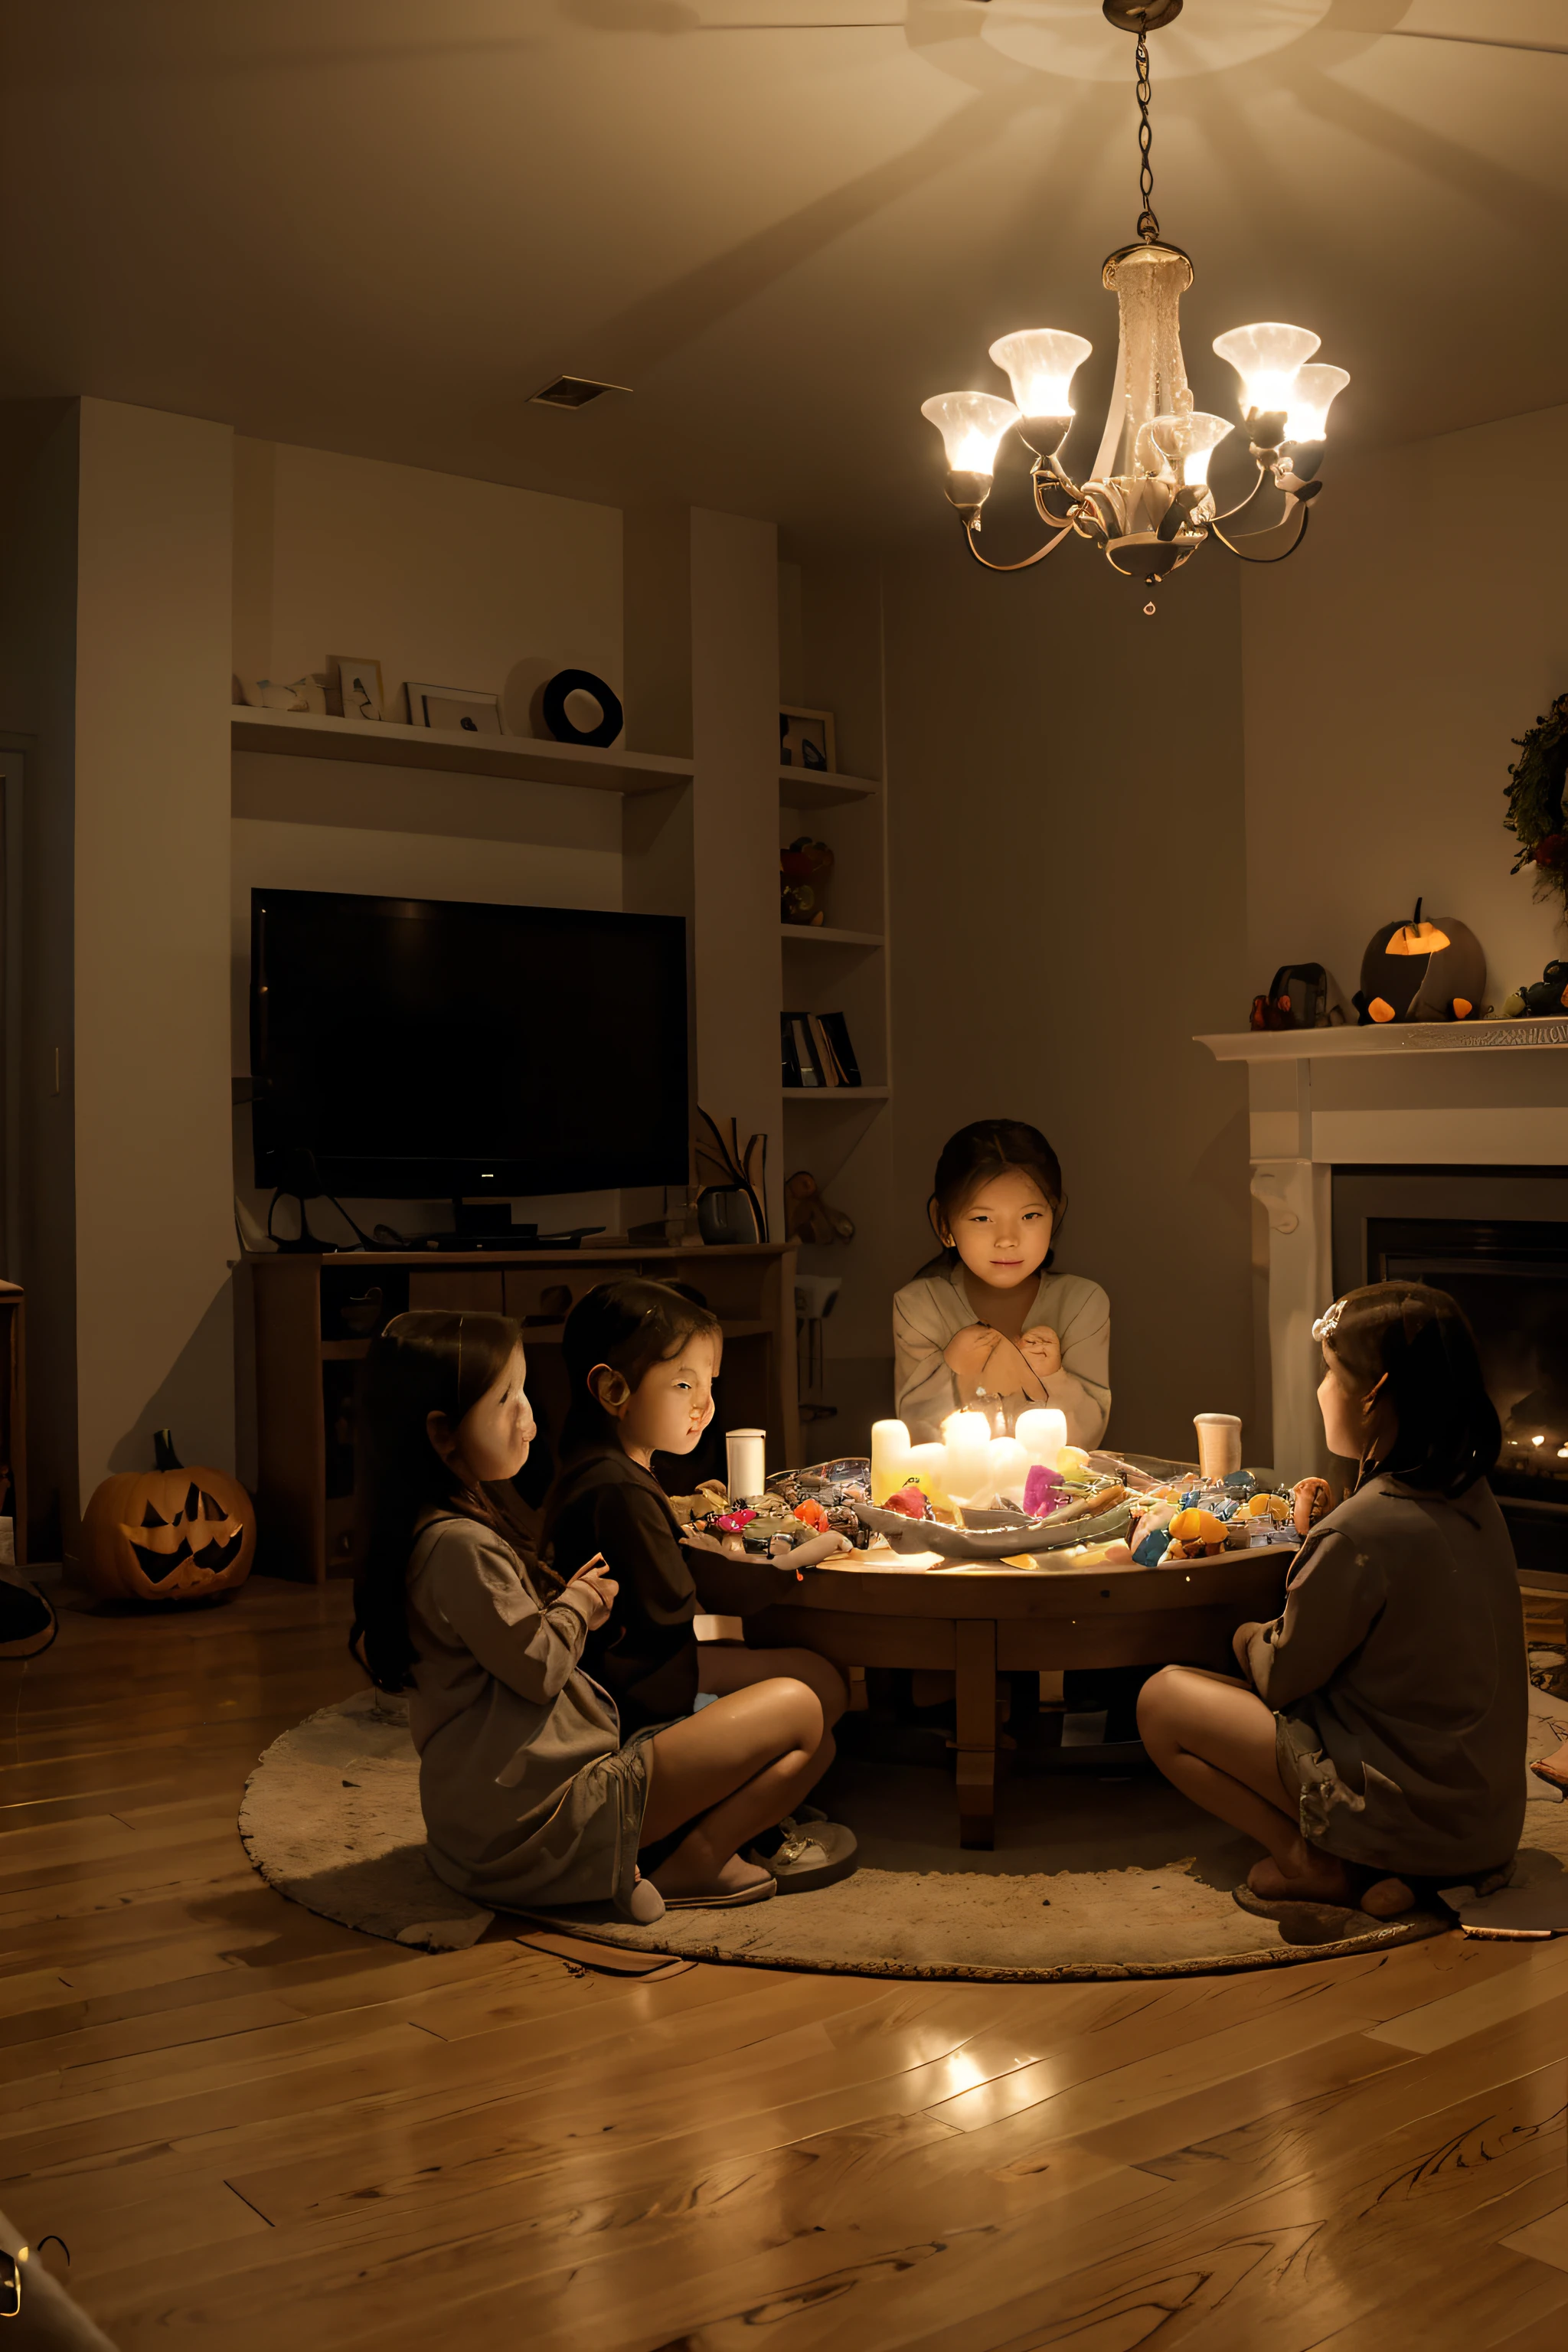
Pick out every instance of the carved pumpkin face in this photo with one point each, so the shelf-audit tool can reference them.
(168, 1535)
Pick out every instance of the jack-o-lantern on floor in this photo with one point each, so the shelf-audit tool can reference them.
(168, 1533)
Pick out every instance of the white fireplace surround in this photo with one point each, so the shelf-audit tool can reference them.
(1413, 1094)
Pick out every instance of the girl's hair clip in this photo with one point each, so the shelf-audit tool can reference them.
(1328, 1323)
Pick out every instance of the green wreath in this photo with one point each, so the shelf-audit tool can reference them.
(1535, 811)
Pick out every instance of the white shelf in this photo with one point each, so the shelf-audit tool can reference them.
(815, 787)
(836, 1094)
(1391, 1039)
(828, 937)
(388, 744)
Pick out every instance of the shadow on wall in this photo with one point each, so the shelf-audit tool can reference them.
(194, 1399)
(1068, 845)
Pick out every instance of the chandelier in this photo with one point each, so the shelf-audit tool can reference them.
(1147, 505)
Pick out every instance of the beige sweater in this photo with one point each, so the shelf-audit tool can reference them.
(929, 1314)
(528, 1795)
(1397, 1672)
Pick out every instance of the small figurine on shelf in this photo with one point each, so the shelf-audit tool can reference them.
(1546, 995)
(1300, 996)
(803, 869)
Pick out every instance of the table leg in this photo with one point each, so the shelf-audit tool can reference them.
(974, 1658)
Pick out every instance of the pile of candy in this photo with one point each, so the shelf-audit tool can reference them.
(766, 1526)
(1206, 1517)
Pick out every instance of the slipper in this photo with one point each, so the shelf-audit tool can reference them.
(812, 1854)
(718, 1901)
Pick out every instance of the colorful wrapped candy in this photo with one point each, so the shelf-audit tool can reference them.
(1044, 1490)
(1195, 1535)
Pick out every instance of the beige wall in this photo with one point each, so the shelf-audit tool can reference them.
(155, 1227)
(1067, 894)
(446, 580)
(1387, 667)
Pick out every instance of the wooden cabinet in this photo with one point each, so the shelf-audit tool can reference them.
(315, 1317)
(14, 1409)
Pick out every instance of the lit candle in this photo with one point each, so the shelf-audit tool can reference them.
(1007, 1464)
(967, 1439)
(1042, 1433)
(890, 1458)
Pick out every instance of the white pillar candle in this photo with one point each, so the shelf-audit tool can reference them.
(745, 1451)
(1007, 1464)
(1042, 1432)
(890, 1458)
(967, 1438)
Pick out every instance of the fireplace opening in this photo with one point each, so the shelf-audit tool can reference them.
(1497, 1241)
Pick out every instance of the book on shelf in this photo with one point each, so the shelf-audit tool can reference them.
(817, 1051)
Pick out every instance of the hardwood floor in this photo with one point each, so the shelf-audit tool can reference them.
(250, 2125)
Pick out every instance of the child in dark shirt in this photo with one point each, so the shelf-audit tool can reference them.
(642, 1359)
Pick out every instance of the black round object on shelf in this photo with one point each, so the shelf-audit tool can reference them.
(552, 706)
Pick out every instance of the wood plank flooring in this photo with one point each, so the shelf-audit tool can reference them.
(250, 2125)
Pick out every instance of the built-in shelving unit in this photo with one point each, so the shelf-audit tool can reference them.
(387, 744)
(846, 1096)
(825, 937)
(812, 788)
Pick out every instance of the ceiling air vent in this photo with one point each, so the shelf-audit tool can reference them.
(572, 391)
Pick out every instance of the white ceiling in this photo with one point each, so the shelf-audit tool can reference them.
(377, 225)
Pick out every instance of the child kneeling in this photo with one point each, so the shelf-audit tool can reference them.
(529, 1795)
(1382, 1738)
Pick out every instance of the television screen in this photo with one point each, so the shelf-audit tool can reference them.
(422, 1048)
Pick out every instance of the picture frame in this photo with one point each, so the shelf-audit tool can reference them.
(356, 682)
(805, 740)
(454, 710)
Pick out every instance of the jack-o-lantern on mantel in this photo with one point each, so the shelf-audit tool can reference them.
(168, 1533)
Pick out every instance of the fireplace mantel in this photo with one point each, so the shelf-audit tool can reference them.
(1394, 1040)
(1405, 1093)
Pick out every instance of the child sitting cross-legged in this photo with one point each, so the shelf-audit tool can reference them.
(532, 1792)
(642, 1358)
(1378, 1739)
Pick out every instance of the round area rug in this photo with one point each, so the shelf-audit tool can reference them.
(1091, 1877)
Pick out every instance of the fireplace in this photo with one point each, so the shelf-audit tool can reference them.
(1497, 1240)
(1436, 1149)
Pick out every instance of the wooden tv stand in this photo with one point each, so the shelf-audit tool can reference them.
(315, 1315)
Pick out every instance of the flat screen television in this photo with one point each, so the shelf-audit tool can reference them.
(430, 1048)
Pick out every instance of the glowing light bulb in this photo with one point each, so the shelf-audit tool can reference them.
(970, 425)
(1268, 358)
(1040, 363)
(1538, 1441)
(1189, 439)
(1312, 394)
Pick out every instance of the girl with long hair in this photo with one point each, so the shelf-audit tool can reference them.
(1375, 1742)
(642, 1358)
(986, 1326)
(529, 1794)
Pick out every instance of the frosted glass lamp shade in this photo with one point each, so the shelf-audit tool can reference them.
(970, 425)
(1268, 358)
(1189, 440)
(1312, 393)
(1039, 363)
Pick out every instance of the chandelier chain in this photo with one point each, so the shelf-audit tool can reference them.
(1148, 224)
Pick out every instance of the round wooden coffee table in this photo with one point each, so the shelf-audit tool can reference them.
(979, 1621)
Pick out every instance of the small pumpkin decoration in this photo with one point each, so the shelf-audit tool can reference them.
(168, 1533)
(1431, 971)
